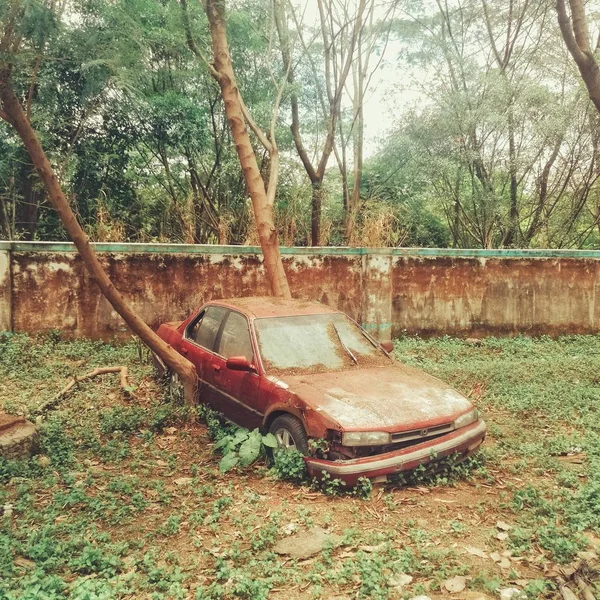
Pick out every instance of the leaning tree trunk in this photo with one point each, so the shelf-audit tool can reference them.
(13, 113)
(263, 210)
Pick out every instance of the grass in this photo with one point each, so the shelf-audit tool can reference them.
(127, 500)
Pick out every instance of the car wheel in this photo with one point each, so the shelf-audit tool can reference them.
(290, 434)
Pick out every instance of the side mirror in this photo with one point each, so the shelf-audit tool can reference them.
(388, 346)
(240, 363)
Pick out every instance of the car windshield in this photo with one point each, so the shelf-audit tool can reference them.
(314, 343)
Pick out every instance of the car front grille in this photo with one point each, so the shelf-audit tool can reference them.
(422, 434)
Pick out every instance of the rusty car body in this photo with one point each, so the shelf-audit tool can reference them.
(303, 371)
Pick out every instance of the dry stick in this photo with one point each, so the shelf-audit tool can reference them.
(99, 371)
(586, 590)
(566, 593)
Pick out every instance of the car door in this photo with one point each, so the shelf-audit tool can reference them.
(198, 346)
(237, 390)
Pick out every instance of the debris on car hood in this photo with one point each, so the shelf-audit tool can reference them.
(380, 397)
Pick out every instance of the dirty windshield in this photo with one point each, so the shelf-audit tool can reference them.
(314, 343)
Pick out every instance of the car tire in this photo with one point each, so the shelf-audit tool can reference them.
(290, 434)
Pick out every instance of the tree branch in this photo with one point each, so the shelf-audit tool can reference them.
(191, 43)
(258, 132)
(567, 33)
(580, 28)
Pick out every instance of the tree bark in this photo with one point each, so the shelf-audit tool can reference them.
(12, 111)
(576, 36)
(316, 207)
(263, 207)
(513, 218)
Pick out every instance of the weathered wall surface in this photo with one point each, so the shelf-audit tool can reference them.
(44, 286)
(5, 292)
(479, 296)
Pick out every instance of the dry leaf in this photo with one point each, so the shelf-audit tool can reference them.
(183, 481)
(476, 551)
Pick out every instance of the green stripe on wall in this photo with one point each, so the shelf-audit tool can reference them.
(65, 247)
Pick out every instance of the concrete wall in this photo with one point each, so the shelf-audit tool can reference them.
(428, 291)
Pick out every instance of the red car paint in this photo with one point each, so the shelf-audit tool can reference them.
(418, 410)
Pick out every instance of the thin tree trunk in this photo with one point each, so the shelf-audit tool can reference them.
(13, 113)
(357, 137)
(513, 218)
(263, 209)
(316, 207)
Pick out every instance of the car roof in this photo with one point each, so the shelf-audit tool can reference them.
(268, 306)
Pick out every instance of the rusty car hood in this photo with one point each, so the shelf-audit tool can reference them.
(392, 398)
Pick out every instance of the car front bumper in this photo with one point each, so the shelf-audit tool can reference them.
(463, 442)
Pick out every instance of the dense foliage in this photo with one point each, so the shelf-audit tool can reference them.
(127, 498)
(494, 145)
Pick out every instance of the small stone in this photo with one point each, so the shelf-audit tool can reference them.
(420, 598)
(455, 584)
(511, 594)
(495, 557)
(400, 580)
(289, 528)
(502, 526)
(306, 544)
(112, 396)
(504, 563)
(502, 536)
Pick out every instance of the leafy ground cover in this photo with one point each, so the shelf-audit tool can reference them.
(126, 499)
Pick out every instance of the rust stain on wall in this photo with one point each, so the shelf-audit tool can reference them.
(495, 296)
(390, 294)
(54, 291)
(333, 280)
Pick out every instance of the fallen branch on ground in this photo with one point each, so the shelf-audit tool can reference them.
(99, 371)
(585, 589)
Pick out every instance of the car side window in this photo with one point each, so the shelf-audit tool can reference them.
(235, 338)
(204, 331)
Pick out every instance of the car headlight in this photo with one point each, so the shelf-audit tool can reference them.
(466, 419)
(366, 438)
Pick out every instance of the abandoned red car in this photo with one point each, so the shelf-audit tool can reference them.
(303, 371)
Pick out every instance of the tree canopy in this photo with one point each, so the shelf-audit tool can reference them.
(494, 143)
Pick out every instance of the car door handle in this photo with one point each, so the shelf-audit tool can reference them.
(184, 351)
(216, 368)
